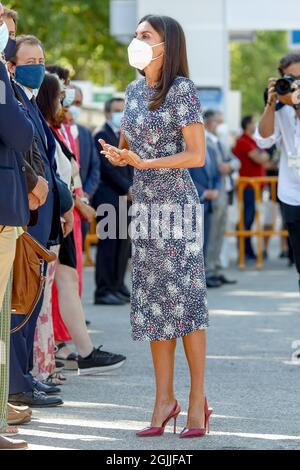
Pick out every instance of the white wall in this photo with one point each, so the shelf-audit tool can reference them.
(261, 14)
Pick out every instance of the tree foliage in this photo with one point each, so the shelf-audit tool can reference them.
(76, 35)
(253, 64)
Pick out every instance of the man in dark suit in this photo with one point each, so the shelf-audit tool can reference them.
(29, 52)
(16, 135)
(207, 180)
(116, 181)
(88, 153)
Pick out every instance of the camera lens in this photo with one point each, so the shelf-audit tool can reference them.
(283, 86)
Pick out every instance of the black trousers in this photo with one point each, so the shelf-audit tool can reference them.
(111, 261)
(291, 215)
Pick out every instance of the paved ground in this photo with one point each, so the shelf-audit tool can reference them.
(252, 383)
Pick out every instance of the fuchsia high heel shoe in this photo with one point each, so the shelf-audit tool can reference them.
(198, 432)
(155, 431)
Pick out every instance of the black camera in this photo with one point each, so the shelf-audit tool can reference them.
(287, 84)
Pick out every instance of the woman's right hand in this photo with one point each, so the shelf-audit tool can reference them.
(113, 154)
(67, 222)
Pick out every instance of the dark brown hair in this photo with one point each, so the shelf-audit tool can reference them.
(287, 60)
(61, 72)
(25, 39)
(175, 55)
(246, 121)
(12, 14)
(48, 95)
(108, 104)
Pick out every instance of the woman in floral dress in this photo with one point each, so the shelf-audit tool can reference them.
(163, 136)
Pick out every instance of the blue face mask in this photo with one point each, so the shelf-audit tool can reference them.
(75, 111)
(70, 94)
(4, 35)
(31, 76)
(116, 119)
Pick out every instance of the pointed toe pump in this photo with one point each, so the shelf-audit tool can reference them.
(155, 431)
(198, 432)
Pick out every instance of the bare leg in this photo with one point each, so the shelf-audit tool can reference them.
(195, 351)
(163, 353)
(71, 310)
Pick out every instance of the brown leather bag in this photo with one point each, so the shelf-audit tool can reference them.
(28, 276)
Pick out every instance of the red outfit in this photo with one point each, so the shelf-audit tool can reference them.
(61, 332)
(244, 145)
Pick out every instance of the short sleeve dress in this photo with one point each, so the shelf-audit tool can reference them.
(168, 279)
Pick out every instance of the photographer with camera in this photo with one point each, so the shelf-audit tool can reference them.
(280, 124)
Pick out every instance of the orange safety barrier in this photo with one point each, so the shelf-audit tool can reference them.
(90, 239)
(258, 184)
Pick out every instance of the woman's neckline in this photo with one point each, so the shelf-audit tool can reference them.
(150, 86)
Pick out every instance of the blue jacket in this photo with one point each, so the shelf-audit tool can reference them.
(207, 177)
(16, 134)
(115, 180)
(48, 229)
(89, 161)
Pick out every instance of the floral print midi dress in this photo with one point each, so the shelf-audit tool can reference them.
(168, 278)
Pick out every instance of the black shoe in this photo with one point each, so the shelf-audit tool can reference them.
(35, 399)
(48, 389)
(87, 322)
(100, 361)
(109, 299)
(125, 291)
(123, 297)
(213, 282)
(250, 257)
(59, 366)
(225, 280)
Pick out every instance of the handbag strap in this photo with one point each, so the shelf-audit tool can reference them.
(27, 318)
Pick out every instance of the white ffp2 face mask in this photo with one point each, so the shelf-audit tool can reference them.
(140, 53)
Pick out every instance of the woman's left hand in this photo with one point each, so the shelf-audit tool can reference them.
(132, 158)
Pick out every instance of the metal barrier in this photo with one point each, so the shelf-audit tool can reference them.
(90, 239)
(257, 184)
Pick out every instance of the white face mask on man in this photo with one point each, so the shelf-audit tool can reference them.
(140, 53)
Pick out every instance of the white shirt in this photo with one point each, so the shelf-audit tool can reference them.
(286, 132)
(64, 167)
(27, 91)
(212, 137)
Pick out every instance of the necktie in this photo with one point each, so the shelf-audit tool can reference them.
(34, 103)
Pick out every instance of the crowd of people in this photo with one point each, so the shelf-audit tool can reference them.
(50, 169)
(52, 180)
